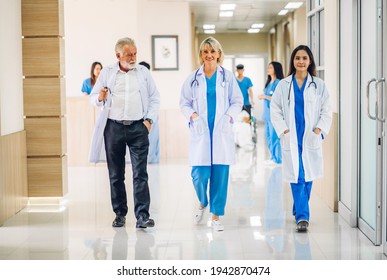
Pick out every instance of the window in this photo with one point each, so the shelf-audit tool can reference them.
(316, 33)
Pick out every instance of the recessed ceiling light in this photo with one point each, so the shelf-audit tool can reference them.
(257, 25)
(208, 26)
(283, 12)
(209, 31)
(227, 7)
(253, 30)
(226, 13)
(293, 5)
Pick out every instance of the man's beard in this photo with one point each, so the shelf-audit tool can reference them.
(130, 66)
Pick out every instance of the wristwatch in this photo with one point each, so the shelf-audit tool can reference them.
(149, 120)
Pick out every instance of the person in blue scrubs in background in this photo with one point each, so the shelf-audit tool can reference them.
(89, 83)
(154, 134)
(246, 87)
(302, 116)
(211, 100)
(274, 75)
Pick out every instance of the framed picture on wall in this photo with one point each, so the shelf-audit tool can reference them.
(165, 52)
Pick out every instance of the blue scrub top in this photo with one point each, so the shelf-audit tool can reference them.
(244, 85)
(86, 86)
(211, 104)
(269, 90)
(300, 122)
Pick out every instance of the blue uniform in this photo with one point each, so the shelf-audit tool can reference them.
(272, 139)
(86, 86)
(300, 190)
(244, 85)
(216, 174)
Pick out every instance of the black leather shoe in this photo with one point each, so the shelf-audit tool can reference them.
(144, 223)
(119, 221)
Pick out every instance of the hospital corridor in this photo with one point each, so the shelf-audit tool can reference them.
(258, 221)
(122, 120)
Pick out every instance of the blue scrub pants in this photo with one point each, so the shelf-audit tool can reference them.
(301, 194)
(273, 142)
(218, 177)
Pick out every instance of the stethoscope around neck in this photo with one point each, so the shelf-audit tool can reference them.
(195, 81)
(312, 82)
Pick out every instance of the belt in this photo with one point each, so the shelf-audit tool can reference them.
(125, 122)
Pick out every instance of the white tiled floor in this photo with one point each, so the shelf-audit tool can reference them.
(258, 221)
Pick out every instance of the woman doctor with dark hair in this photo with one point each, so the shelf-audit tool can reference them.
(301, 115)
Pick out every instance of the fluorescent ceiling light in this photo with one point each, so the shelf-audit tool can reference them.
(226, 13)
(253, 30)
(227, 7)
(293, 5)
(209, 31)
(283, 12)
(257, 25)
(208, 26)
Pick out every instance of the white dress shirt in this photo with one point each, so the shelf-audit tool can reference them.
(126, 98)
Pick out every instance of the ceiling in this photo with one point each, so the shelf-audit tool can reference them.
(246, 13)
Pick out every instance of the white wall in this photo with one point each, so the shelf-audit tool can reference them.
(11, 82)
(92, 29)
(166, 18)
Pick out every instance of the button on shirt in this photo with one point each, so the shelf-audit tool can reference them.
(126, 97)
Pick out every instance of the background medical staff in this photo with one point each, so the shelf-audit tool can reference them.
(301, 114)
(88, 84)
(274, 75)
(211, 100)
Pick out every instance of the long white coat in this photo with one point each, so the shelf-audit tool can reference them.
(318, 114)
(229, 100)
(150, 98)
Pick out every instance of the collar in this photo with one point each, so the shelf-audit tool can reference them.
(201, 70)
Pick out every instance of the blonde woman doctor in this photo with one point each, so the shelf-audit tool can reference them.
(301, 115)
(211, 100)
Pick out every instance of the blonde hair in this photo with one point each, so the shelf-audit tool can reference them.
(212, 43)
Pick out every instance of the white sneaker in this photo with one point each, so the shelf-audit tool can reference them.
(217, 225)
(199, 215)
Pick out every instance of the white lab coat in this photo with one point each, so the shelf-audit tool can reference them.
(150, 98)
(318, 114)
(229, 100)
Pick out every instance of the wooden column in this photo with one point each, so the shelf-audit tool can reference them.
(44, 96)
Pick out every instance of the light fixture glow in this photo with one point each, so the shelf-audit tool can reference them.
(227, 7)
(283, 12)
(257, 25)
(208, 26)
(293, 5)
(226, 13)
(253, 30)
(209, 31)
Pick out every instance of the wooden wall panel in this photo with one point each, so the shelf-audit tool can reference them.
(13, 174)
(46, 136)
(43, 18)
(327, 187)
(43, 57)
(47, 177)
(44, 97)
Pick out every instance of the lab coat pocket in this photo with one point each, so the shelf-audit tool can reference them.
(226, 125)
(285, 142)
(198, 126)
(313, 140)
